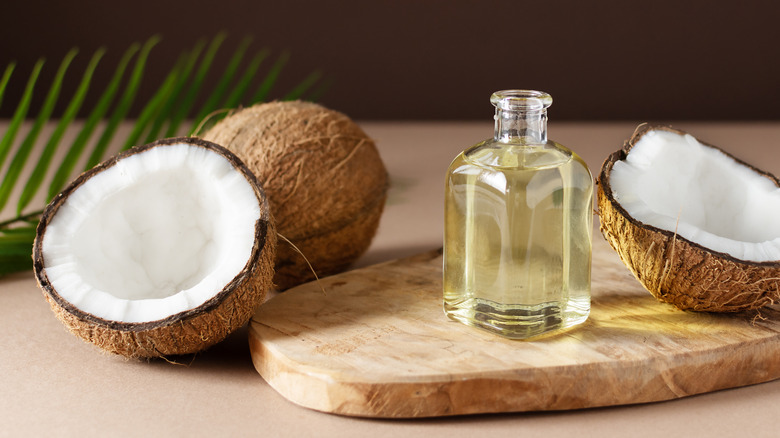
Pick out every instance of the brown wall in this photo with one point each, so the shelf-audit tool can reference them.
(436, 59)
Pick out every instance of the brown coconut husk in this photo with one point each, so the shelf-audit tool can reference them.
(324, 178)
(186, 332)
(674, 269)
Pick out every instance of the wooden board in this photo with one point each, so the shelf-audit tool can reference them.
(378, 345)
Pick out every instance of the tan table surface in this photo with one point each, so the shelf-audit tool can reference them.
(53, 384)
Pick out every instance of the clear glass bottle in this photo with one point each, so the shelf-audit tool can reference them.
(518, 226)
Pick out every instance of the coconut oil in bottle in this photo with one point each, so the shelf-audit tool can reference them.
(518, 226)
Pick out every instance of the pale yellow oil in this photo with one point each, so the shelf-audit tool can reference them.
(517, 244)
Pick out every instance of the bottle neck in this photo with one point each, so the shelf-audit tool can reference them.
(523, 127)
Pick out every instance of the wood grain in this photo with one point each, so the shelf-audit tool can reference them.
(377, 344)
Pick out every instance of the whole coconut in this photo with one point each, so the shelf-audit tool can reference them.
(323, 176)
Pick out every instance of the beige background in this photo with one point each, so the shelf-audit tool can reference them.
(52, 384)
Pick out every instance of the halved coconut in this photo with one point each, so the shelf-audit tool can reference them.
(696, 226)
(162, 250)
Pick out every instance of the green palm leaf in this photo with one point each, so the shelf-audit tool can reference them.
(152, 109)
(6, 77)
(15, 169)
(224, 82)
(123, 106)
(169, 106)
(235, 96)
(183, 107)
(303, 87)
(20, 114)
(38, 174)
(95, 116)
(166, 113)
(265, 87)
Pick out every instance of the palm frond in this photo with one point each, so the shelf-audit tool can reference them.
(171, 110)
(6, 77)
(15, 248)
(235, 96)
(19, 160)
(38, 174)
(303, 87)
(265, 87)
(65, 170)
(20, 113)
(184, 105)
(320, 90)
(212, 102)
(169, 106)
(123, 106)
(152, 109)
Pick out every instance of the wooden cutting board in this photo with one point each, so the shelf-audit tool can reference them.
(378, 345)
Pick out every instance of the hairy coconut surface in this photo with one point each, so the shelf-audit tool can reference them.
(696, 226)
(162, 250)
(325, 181)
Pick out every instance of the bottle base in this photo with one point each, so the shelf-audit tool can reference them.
(517, 321)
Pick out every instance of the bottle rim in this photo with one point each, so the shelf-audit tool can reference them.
(523, 100)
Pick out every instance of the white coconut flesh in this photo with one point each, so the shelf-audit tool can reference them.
(158, 233)
(673, 182)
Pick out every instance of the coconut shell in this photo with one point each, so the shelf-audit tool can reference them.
(324, 178)
(674, 269)
(185, 332)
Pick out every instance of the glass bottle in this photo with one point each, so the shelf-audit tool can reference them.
(518, 226)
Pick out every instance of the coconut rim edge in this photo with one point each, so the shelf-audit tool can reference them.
(264, 241)
(605, 189)
(646, 250)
